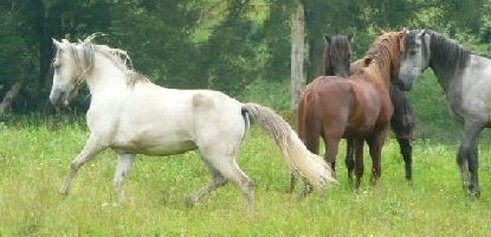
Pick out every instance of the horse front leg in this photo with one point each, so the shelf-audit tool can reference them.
(467, 157)
(91, 148)
(122, 171)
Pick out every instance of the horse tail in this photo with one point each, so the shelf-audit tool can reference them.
(308, 122)
(308, 165)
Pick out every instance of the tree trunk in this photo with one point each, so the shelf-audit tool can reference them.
(6, 105)
(297, 56)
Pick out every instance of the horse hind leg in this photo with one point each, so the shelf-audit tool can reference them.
(375, 145)
(464, 168)
(359, 168)
(231, 171)
(223, 167)
(217, 181)
(350, 159)
(331, 144)
(91, 148)
(122, 171)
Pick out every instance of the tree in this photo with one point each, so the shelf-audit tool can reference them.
(297, 56)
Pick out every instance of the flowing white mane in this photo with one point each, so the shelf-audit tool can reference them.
(83, 53)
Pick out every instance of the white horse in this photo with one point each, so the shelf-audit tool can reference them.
(131, 115)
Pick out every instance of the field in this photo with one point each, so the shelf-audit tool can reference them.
(35, 155)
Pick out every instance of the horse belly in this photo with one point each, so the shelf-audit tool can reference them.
(155, 140)
(156, 148)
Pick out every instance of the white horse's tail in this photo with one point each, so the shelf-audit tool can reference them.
(308, 165)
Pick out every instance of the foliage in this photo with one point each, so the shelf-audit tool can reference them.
(222, 45)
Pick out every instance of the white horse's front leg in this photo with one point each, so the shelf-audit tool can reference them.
(91, 148)
(122, 171)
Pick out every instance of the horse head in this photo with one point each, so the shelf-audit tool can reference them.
(415, 59)
(70, 64)
(338, 54)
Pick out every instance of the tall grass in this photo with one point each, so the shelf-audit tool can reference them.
(34, 160)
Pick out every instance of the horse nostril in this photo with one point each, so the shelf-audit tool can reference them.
(57, 99)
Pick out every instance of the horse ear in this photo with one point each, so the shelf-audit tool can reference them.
(56, 43)
(351, 36)
(422, 33)
(327, 38)
(381, 31)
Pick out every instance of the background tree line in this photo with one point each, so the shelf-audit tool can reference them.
(225, 45)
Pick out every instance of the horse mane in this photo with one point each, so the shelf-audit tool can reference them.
(449, 54)
(83, 54)
(383, 57)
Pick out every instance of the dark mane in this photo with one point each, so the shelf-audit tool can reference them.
(450, 56)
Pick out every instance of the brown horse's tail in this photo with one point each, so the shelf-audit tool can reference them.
(308, 125)
(308, 165)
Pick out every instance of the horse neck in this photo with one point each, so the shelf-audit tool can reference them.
(106, 76)
(380, 73)
(447, 60)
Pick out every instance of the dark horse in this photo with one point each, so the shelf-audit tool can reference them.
(358, 107)
(466, 80)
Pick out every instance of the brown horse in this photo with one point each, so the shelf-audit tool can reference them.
(401, 123)
(358, 107)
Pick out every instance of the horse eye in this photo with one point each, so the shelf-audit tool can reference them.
(55, 63)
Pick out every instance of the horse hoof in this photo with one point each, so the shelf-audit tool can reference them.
(474, 194)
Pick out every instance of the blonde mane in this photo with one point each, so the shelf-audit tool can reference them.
(383, 58)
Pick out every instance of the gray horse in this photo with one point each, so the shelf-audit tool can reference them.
(466, 79)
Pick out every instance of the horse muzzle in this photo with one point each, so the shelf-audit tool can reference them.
(59, 99)
(403, 86)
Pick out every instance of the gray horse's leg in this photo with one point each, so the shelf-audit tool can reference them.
(467, 157)
(91, 148)
(406, 150)
(122, 172)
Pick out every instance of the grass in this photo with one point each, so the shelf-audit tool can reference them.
(34, 160)
(35, 154)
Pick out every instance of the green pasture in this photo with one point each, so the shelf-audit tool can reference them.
(35, 154)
